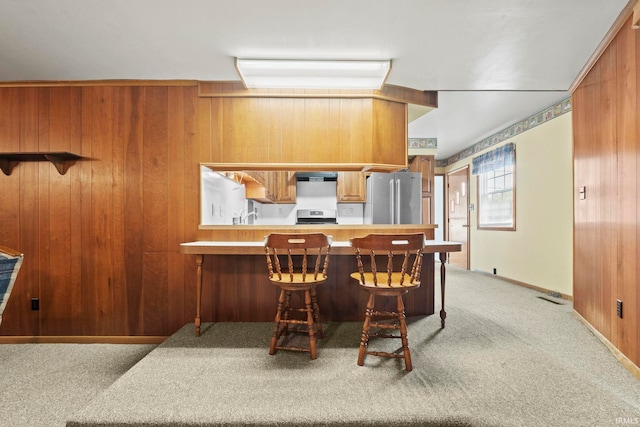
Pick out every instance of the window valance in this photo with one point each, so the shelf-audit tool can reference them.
(494, 159)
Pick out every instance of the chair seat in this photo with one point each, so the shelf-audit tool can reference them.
(296, 281)
(383, 281)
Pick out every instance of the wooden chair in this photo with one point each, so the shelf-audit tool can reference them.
(297, 263)
(399, 273)
(10, 262)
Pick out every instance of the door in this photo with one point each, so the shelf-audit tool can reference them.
(426, 166)
(458, 215)
(408, 198)
(378, 208)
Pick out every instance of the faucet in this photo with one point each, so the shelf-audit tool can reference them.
(243, 219)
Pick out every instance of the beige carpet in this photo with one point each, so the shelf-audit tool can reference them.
(506, 358)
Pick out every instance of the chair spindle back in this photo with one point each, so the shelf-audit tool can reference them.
(281, 248)
(409, 246)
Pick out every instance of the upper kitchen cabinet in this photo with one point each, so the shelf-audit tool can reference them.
(285, 186)
(306, 130)
(351, 187)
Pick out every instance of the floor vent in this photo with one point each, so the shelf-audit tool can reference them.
(550, 300)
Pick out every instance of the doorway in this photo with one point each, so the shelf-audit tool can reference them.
(457, 208)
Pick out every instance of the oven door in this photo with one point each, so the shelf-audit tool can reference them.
(316, 216)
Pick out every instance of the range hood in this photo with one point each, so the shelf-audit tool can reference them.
(316, 176)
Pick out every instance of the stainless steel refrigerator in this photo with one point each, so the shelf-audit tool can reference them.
(394, 198)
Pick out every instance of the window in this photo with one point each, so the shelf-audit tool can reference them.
(496, 188)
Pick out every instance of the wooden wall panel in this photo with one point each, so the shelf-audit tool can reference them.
(253, 298)
(177, 131)
(628, 197)
(606, 161)
(62, 121)
(101, 242)
(155, 210)
(28, 208)
(132, 205)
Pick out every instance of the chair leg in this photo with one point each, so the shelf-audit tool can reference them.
(316, 314)
(286, 310)
(309, 309)
(364, 339)
(276, 327)
(403, 333)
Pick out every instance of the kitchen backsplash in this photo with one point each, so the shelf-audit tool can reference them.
(310, 195)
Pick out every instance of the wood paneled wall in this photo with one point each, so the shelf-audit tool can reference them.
(606, 133)
(103, 239)
(102, 242)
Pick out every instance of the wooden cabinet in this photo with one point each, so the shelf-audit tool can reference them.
(351, 187)
(271, 186)
(346, 134)
(426, 166)
(285, 187)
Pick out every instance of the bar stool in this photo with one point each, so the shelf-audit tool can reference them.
(297, 262)
(391, 280)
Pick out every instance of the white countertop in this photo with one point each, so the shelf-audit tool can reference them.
(257, 248)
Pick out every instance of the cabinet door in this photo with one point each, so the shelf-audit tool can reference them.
(351, 187)
(426, 166)
(285, 191)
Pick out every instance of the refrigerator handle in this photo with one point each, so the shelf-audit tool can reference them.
(397, 221)
(391, 200)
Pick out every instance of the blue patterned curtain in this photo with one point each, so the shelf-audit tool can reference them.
(494, 159)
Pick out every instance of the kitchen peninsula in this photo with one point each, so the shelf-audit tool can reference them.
(243, 132)
(232, 285)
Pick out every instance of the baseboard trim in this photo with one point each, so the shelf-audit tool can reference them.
(96, 339)
(624, 360)
(527, 285)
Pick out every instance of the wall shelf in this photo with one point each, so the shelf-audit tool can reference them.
(61, 160)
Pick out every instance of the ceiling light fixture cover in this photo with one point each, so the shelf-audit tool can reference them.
(312, 74)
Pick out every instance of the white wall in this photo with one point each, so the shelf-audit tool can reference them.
(438, 214)
(540, 251)
(221, 198)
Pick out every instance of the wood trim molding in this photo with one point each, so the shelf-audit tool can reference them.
(635, 21)
(235, 89)
(606, 41)
(624, 360)
(534, 287)
(82, 339)
(68, 83)
(303, 167)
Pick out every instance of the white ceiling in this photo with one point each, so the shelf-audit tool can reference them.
(494, 62)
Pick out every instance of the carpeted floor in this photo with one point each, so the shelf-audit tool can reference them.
(43, 385)
(506, 358)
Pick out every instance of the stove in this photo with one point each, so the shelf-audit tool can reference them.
(316, 216)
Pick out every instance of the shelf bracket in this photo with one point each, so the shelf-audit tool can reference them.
(7, 165)
(61, 164)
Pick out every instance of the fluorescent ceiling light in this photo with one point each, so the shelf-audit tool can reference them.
(312, 74)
